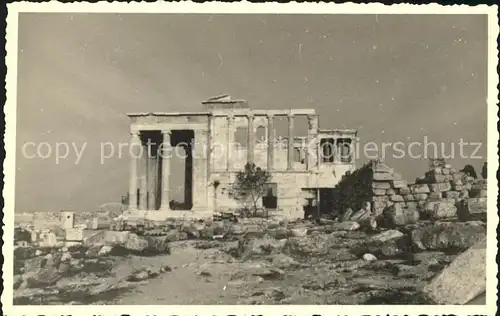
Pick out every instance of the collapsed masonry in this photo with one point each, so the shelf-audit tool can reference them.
(443, 192)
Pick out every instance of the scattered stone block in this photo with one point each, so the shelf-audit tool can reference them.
(435, 196)
(440, 187)
(419, 188)
(389, 192)
(404, 191)
(432, 177)
(463, 280)
(115, 238)
(399, 184)
(387, 235)
(412, 205)
(383, 198)
(361, 214)
(451, 194)
(397, 198)
(347, 214)
(135, 243)
(378, 207)
(347, 226)
(379, 192)
(409, 197)
(381, 185)
(382, 176)
(441, 209)
(421, 196)
(398, 215)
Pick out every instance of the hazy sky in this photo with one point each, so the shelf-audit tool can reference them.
(395, 78)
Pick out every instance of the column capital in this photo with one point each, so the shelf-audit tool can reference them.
(270, 115)
(290, 115)
(166, 131)
(135, 133)
(250, 115)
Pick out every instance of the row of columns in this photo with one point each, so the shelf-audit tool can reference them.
(145, 166)
(312, 130)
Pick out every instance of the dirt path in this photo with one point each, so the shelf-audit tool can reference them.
(186, 283)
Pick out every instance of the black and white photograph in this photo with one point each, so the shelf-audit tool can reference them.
(260, 158)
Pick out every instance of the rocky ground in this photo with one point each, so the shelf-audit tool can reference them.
(254, 261)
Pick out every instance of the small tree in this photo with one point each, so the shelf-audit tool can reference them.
(470, 171)
(484, 172)
(250, 185)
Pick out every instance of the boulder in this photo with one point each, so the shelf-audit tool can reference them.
(473, 209)
(463, 280)
(369, 257)
(454, 236)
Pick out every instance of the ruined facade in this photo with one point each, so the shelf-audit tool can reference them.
(302, 167)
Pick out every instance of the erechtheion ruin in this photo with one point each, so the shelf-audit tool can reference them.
(302, 169)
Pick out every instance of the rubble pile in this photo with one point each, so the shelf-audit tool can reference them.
(403, 245)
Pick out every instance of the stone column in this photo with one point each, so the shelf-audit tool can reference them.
(165, 172)
(230, 142)
(143, 181)
(251, 139)
(152, 177)
(188, 176)
(199, 174)
(135, 142)
(290, 142)
(270, 142)
(311, 149)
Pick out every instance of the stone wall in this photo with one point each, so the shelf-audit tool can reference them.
(441, 192)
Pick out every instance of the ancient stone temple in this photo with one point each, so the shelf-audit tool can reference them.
(303, 169)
